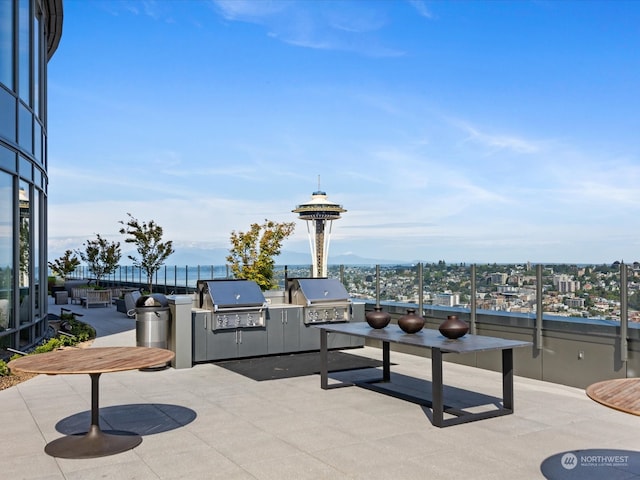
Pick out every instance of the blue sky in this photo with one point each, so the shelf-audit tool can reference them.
(465, 131)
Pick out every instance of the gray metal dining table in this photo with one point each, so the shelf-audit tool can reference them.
(438, 345)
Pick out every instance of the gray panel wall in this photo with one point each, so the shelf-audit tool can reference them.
(573, 353)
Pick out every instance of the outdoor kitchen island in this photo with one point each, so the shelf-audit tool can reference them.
(433, 340)
(235, 319)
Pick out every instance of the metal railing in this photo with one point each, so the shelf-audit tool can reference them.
(594, 291)
(582, 320)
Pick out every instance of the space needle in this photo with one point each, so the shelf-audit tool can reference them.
(319, 213)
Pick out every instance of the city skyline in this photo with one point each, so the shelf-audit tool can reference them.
(463, 131)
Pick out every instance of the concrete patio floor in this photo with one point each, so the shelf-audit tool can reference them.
(207, 423)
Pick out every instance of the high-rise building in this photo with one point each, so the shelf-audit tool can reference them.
(565, 283)
(30, 31)
(446, 299)
(319, 213)
(568, 286)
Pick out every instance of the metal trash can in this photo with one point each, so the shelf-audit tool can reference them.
(153, 319)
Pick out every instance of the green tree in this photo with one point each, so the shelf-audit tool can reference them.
(252, 253)
(65, 265)
(152, 251)
(101, 256)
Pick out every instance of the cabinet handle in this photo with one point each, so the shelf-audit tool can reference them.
(240, 336)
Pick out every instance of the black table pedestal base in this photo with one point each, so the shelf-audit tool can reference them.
(95, 443)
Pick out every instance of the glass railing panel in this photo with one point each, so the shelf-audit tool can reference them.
(565, 290)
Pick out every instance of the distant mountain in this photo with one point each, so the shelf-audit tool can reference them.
(217, 256)
(351, 259)
(198, 256)
(297, 258)
(188, 255)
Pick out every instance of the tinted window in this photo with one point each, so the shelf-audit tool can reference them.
(6, 43)
(7, 114)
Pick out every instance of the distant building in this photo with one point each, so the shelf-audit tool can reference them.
(498, 278)
(574, 302)
(565, 284)
(446, 299)
(30, 31)
(507, 289)
(568, 286)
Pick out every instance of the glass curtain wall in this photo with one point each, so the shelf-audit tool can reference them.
(23, 176)
(6, 257)
(6, 43)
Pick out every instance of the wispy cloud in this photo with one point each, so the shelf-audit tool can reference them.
(377, 226)
(382, 103)
(248, 10)
(203, 217)
(157, 10)
(422, 8)
(358, 20)
(598, 185)
(342, 26)
(496, 141)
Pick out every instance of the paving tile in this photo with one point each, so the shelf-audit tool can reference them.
(133, 470)
(29, 464)
(197, 461)
(108, 464)
(300, 467)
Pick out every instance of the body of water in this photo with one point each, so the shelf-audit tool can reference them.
(186, 277)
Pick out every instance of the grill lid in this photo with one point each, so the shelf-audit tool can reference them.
(232, 293)
(319, 290)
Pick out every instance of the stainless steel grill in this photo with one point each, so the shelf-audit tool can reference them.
(323, 299)
(233, 303)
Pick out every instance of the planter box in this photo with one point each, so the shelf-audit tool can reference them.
(62, 297)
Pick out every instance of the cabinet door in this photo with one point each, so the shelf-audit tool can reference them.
(309, 337)
(199, 327)
(221, 344)
(275, 325)
(252, 342)
(340, 340)
(291, 329)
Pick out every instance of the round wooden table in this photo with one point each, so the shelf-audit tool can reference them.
(94, 362)
(621, 394)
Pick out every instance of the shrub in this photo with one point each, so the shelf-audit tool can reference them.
(49, 346)
(81, 331)
(73, 326)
